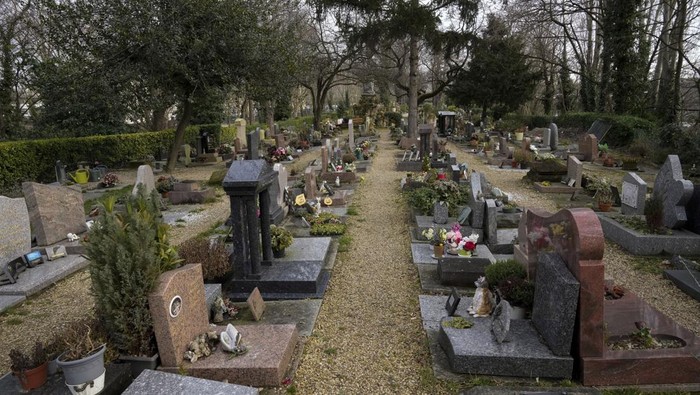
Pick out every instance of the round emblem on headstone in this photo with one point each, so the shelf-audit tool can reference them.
(175, 306)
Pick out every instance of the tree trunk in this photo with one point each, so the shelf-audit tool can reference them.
(680, 25)
(158, 120)
(270, 118)
(413, 88)
(179, 135)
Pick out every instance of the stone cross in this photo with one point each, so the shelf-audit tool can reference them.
(634, 192)
(674, 191)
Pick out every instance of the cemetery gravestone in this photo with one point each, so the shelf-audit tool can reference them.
(545, 137)
(54, 211)
(240, 130)
(176, 326)
(693, 211)
(452, 302)
(599, 129)
(256, 304)
(440, 213)
(634, 192)
(424, 131)
(526, 143)
(500, 321)
(144, 176)
(351, 135)
(324, 159)
(589, 148)
(253, 140)
(574, 170)
(310, 187)
(674, 191)
(503, 146)
(491, 223)
(15, 238)
(553, 136)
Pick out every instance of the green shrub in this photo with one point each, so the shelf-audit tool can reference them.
(502, 270)
(686, 143)
(422, 199)
(328, 229)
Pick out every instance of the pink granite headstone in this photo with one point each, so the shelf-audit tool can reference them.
(179, 311)
(54, 211)
(256, 304)
(589, 147)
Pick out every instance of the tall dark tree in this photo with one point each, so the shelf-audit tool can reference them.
(498, 75)
(372, 21)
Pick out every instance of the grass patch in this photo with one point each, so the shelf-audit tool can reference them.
(331, 351)
(292, 389)
(344, 243)
(214, 230)
(352, 210)
(477, 381)
(649, 265)
(197, 210)
(14, 321)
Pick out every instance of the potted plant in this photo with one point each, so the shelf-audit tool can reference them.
(603, 191)
(128, 251)
(164, 184)
(30, 368)
(522, 157)
(110, 180)
(520, 293)
(83, 361)
(437, 237)
(281, 239)
(510, 208)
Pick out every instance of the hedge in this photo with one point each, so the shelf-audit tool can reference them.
(34, 160)
(624, 127)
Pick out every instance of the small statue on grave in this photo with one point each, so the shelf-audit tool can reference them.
(483, 301)
(231, 341)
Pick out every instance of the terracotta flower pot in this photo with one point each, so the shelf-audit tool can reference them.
(604, 206)
(33, 378)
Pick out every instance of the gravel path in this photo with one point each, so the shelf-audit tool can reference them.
(368, 337)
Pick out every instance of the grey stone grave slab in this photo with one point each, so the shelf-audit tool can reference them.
(475, 351)
(478, 213)
(426, 221)
(491, 223)
(307, 249)
(555, 303)
(681, 241)
(211, 292)
(687, 280)
(634, 193)
(475, 184)
(531, 390)
(423, 254)
(681, 263)
(464, 271)
(674, 191)
(302, 313)
(452, 302)
(253, 141)
(500, 321)
(574, 171)
(440, 213)
(15, 237)
(693, 210)
(7, 301)
(155, 382)
(34, 280)
(430, 281)
(599, 129)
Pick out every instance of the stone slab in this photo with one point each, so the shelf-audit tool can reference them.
(7, 301)
(37, 278)
(463, 271)
(687, 280)
(430, 281)
(54, 211)
(155, 382)
(256, 304)
(426, 221)
(422, 254)
(302, 313)
(289, 280)
(556, 188)
(270, 349)
(307, 249)
(475, 351)
(211, 292)
(555, 303)
(681, 242)
(16, 237)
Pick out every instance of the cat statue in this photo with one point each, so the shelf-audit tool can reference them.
(483, 301)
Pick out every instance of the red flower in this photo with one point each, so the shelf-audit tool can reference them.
(469, 246)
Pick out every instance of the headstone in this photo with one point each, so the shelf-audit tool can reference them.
(475, 183)
(500, 321)
(555, 303)
(15, 237)
(60, 169)
(634, 193)
(491, 223)
(144, 176)
(693, 211)
(574, 170)
(351, 135)
(324, 160)
(54, 211)
(546, 137)
(256, 304)
(237, 145)
(553, 136)
(589, 148)
(599, 129)
(329, 145)
(253, 140)
(240, 130)
(674, 191)
(280, 141)
(440, 213)
(435, 146)
(310, 187)
(158, 382)
(456, 173)
(187, 152)
(452, 302)
(470, 129)
(463, 217)
(179, 311)
(503, 146)
(424, 131)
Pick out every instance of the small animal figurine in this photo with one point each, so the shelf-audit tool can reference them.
(483, 301)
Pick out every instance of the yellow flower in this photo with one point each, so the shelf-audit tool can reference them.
(300, 200)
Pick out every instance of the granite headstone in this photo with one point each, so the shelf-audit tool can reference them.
(54, 211)
(500, 321)
(674, 191)
(589, 148)
(144, 176)
(15, 238)
(634, 192)
(574, 170)
(440, 213)
(553, 136)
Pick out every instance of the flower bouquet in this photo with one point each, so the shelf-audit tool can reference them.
(460, 245)
(110, 180)
(437, 236)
